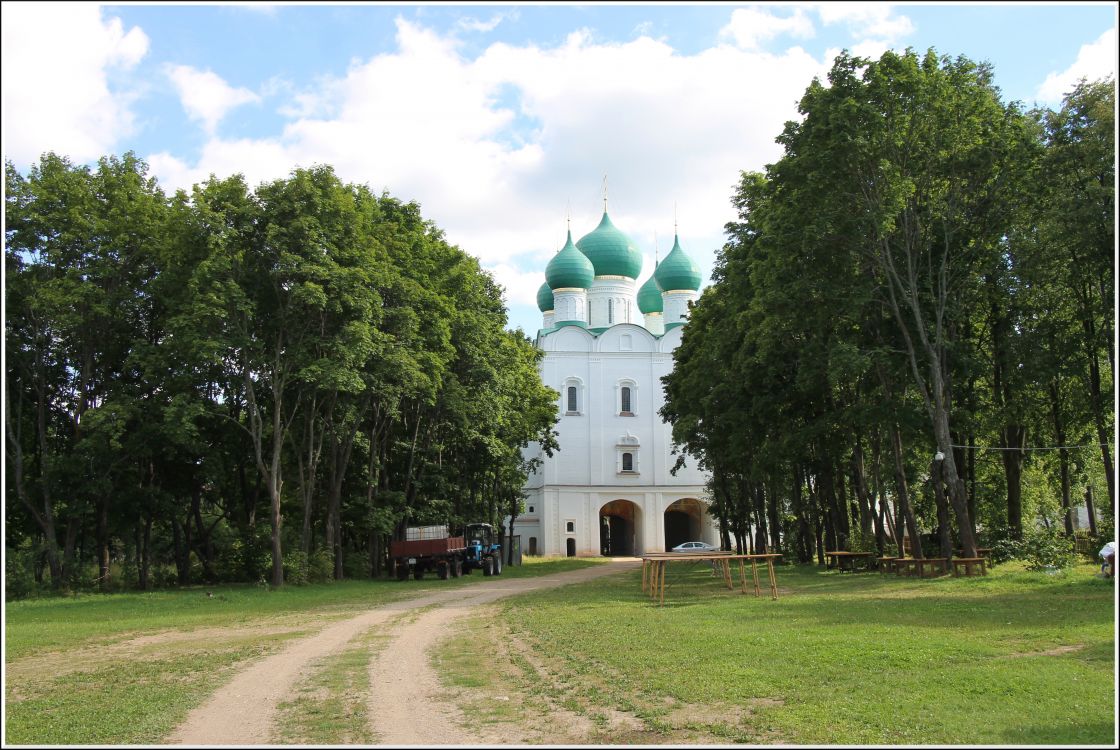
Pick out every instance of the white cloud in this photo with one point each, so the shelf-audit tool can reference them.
(750, 27)
(56, 95)
(469, 23)
(495, 149)
(1094, 61)
(205, 96)
(866, 21)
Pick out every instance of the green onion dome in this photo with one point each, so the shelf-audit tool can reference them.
(568, 269)
(610, 251)
(677, 271)
(649, 297)
(544, 298)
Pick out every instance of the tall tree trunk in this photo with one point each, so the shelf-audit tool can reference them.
(944, 535)
(1014, 440)
(902, 493)
(1063, 454)
(1090, 510)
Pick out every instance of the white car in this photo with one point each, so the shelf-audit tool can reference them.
(695, 547)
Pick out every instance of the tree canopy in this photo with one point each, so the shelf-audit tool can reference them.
(239, 384)
(910, 328)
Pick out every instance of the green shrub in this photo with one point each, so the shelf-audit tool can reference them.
(19, 572)
(320, 567)
(1046, 549)
(296, 568)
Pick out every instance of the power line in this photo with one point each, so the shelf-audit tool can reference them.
(1047, 448)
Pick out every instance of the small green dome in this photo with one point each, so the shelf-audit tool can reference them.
(611, 252)
(649, 297)
(569, 269)
(677, 271)
(544, 298)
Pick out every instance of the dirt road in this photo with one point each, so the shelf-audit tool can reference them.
(407, 705)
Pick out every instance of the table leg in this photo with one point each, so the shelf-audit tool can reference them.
(644, 564)
(754, 572)
(743, 575)
(773, 579)
(726, 565)
(664, 565)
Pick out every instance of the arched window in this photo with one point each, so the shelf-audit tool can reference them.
(571, 396)
(626, 397)
(627, 461)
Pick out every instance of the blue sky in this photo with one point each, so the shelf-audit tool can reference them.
(499, 119)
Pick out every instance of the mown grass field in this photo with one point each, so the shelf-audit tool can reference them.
(127, 668)
(1014, 658)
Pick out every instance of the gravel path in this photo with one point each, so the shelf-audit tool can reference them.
(406, 704)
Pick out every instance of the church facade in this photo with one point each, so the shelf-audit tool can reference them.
(609, 490)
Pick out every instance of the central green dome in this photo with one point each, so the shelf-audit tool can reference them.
(610, 251)
(569, 268)
(649, 297)
(677, 272)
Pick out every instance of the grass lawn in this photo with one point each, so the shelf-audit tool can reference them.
(127, 668)
(1012, 658)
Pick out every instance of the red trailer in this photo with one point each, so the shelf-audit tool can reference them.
(428, 548)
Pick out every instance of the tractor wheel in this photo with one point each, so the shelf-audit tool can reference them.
(418, 573)
(498, 565)
(488, 566)
(443, 570)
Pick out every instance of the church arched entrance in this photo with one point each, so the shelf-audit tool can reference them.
(683, 522)
(618, 529)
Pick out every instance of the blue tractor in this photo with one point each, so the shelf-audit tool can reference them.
(483, 551)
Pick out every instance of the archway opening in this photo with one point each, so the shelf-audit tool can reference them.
(618, 529)
(683, 522)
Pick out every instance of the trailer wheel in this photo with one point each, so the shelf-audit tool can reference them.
(402, 572)
(418, 573)
(443, 570)
(456, 568)
(497, 565)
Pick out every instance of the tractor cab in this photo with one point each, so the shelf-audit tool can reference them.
(484, 549)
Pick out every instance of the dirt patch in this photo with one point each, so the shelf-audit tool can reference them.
(1056, 651)
(145, 648)
(407, 703)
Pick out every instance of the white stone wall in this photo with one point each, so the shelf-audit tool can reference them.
(584, 475)
(612, 300)
(676, 305)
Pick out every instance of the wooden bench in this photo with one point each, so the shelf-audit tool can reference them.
(886, 564)
(984, 552)
(969, 563)
(843, 560)
(910, 565)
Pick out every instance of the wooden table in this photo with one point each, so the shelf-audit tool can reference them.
(839, 556)
(655, 565)
(909, 565)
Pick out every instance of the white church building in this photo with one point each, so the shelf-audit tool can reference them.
(606, 343)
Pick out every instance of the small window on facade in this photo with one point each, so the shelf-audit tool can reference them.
(626, 400)
(627, 461)
(530, 508)
(571, 526)
(610, 311)
(573, 400)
